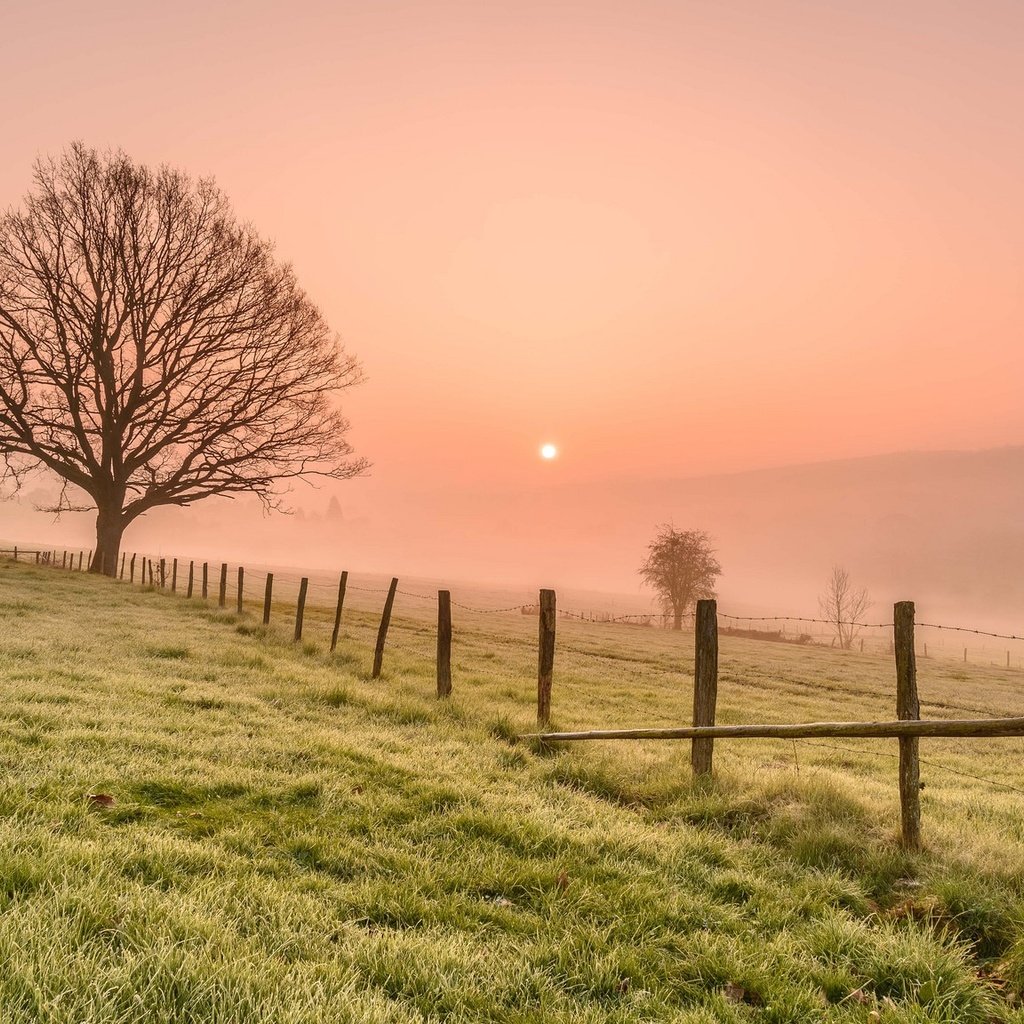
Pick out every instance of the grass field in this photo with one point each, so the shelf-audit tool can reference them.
(290, 841)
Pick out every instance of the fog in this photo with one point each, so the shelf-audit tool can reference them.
(944, 529)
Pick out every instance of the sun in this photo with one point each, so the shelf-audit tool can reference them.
(548, 451)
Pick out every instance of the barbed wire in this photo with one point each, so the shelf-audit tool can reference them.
(798, 618)
(931, 764)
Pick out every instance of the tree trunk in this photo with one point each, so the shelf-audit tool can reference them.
(109, 529)
(677, 621)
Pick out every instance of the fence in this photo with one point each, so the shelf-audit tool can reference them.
(907, 729)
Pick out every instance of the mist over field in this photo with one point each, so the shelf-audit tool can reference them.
(942, 528)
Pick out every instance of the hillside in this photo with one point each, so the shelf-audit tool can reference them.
(279, 839)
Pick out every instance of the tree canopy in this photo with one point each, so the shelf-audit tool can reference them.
(682, 568)
(152, 349)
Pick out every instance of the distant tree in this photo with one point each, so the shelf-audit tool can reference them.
(682, 568)
(842, 605)
(152, 350)
(334, 512)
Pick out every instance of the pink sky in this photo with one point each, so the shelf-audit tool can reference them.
(673, 238)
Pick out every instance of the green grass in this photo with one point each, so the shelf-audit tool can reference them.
(291, 841)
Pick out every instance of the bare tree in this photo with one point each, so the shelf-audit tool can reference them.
(152, 350)
(842, 606)
(681, 566)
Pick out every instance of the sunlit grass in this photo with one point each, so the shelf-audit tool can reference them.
(291, 841)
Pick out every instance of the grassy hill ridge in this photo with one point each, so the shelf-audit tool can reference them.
(288, 841)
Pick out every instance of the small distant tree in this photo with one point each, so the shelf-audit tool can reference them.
(842, 606)
(682, 568)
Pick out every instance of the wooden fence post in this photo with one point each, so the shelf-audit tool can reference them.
(88, 563)
(174, 576)
(908, 706)
(444, 643)
(124, 555)
(342, 584)
(37, 558)
(545, 657)
(241, 581)
(382, 632)
(15, 552)
(267, 594)
(131, 569)
(163, 573)
(222, 598)
(705, 683)
(191, 577)
(300, 608)
(206, 580)
(64, 560)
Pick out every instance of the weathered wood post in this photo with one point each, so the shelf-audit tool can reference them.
(15, 552)
(163, 573)
(300, 608)
(88, 562)
(241, 581)
(705, 683)
(267, 595)
(545, 657)
(174, 576)
(80, 554)
(444, 643)
(124, 555)
(206, 580)
(222, 598)
(37, 558)
(131, 569)
(191, 578)
(382, 632)
(342, 584)
(64, 561)
(908, 706)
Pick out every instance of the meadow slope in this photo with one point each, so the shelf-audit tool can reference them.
(287, 841)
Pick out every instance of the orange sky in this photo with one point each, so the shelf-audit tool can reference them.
(671, 237)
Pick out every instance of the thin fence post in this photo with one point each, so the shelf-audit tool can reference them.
(545, 657)
(88, 563)
(382, 632)
(300, 608)
(908, 706)
(222, 598)
(342, 584)
(174, 576)
(267, 596)
(191, 577)
(15, 552)
(131, 569)
(37, 558)
(206, 579)
(965, 655)
(64, 560)
(444, 643)
(124, 555)
(705, 683)
(241, 581)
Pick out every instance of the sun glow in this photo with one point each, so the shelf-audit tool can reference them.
(548, 451)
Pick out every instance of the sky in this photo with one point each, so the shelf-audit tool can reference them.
(673, 239)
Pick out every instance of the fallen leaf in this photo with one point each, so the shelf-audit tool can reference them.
(734, 993)
(562, 881)
(101, 800)
(357, 790)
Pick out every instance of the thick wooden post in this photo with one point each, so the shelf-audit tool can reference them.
(382, 632)
(191, 578)
(444, 643)
(705, 683)
(300, 608)
(163, 573)
(908, 706)
(241, 581)
(206, 580)
(174, 576)
(222, 598)
(545, 657)
(267, 595)
(64, 560)
(37, 558)
(131, 569)
(342, 584)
